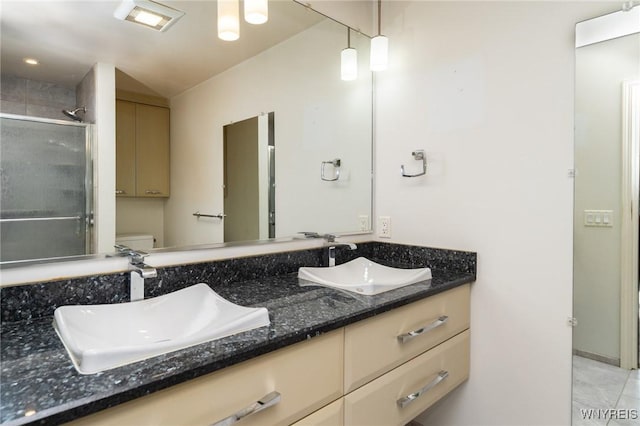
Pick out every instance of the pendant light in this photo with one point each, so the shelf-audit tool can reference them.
(229, 19)
(349, 61)
(379, 47)
(256, 11)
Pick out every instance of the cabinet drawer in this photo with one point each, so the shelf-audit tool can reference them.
(308, 375)
(331, 415)
(378, 403)
(373, 346)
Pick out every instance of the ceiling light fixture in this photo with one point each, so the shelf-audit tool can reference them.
(349, 61)
(148, 13)
(229, 19)
(256, 11)
(379, 47)
(31, 61)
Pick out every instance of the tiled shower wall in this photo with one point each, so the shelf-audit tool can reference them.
(35, 98)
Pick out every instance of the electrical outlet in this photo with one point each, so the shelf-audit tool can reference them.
(384, 230)
(363, 222)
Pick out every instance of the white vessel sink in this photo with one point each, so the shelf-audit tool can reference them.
(363, 276)
(100, 337)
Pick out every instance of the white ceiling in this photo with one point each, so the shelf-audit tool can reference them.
(69, 37)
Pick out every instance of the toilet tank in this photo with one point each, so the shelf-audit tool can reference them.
(135, 241)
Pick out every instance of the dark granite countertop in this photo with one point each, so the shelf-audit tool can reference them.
(39, 385)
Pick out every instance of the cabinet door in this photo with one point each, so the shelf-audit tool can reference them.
(125, 149)
(152, 151)
(402, 394)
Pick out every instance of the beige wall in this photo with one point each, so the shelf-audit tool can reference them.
(600, 70)
(487, 89)
(141, 216)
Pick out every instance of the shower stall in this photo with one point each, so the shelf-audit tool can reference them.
(46, 188)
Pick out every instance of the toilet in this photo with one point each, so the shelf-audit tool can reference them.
(135, 241)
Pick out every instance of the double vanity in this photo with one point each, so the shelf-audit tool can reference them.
(323, 355)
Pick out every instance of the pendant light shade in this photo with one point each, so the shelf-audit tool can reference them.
(256, 11)
(349, 64)
(228, 19)
(349, 61)
(379, 47)
(379, 53)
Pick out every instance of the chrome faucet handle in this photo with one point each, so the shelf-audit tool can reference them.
(136, 257)
(310, 234)
(329, 237)
(122, 249)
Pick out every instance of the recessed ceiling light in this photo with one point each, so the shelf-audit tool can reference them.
(31, 61)
(148, 13)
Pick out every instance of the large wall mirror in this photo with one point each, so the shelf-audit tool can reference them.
(314, 171)
(607, 190)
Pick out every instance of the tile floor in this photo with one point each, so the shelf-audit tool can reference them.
(604, 395)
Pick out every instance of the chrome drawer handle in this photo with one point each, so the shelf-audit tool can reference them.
(263, 403)
(403, 338)
(152, 192)
(403, 402)
(120, 192)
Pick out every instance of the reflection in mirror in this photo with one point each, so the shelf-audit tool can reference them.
(606, 190)
(46, 188)
(289, 66)
(249, 179)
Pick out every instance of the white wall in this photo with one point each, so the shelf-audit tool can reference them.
(105, 157)
(486, 88)
(358, 14)
(318, 117)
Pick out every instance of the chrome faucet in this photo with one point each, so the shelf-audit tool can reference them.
(332, 248)
(139, 270)
(332, 251)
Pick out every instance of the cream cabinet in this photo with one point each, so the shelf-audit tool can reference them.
(400, 395)
(142, 150)
(378, 344)
(384, 370)
(306, 376)
(331, 415)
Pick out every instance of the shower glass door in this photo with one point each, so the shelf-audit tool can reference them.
(45, 180)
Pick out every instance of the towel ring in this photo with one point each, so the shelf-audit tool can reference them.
(417, 155)
(336, 170)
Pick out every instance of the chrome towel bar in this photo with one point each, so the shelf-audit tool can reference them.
(39, 219)
(217, 216)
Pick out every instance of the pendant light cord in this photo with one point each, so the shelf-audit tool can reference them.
(379, 14)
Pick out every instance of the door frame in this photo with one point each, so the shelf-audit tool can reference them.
(629, 224)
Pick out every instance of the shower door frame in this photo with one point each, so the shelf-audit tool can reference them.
(88, 177)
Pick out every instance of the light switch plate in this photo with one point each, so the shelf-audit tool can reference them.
(598, 218)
